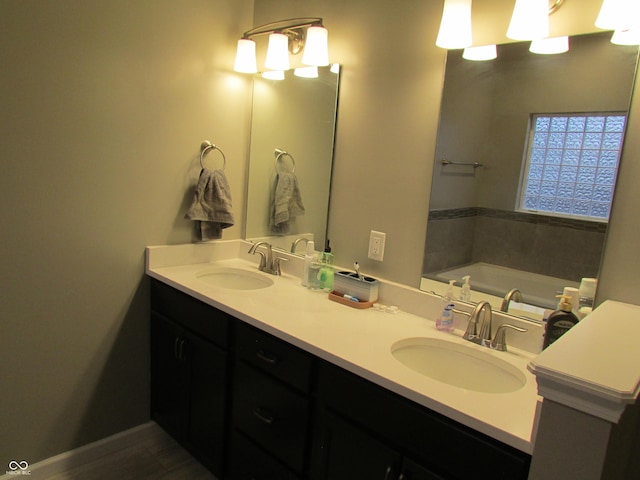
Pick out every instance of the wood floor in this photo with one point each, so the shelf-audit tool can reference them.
(157, 458)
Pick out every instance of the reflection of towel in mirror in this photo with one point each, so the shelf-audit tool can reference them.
(286, 204)
(211, 207)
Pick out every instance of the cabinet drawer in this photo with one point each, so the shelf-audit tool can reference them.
(191, 313)
(249, 462)
(274, 356)
(273, 415)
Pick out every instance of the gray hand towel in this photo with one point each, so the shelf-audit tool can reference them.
(211, 207)
(287, 202)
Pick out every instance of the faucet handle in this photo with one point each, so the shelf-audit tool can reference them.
(499, 342)
(276, 265)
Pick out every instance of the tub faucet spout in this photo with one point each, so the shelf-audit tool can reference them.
(297, 241)
(513, 294)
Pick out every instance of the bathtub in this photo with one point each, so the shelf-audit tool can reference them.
(540, 290)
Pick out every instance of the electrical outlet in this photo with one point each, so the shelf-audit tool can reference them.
(376, 245)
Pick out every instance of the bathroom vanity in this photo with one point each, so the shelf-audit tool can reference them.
(278, 382)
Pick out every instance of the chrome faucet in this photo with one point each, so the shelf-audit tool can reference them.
(499, 342)
(471, 333)
(296, 242)
(268, 263)
(513, 294)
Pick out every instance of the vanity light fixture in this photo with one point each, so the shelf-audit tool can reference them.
(273, 74)
(530, 20)
(550, 46)
(455, 26)
(306, 72)
(480, 53)
(630, 36)
(293, 36)
(618, 14)
(277, 52)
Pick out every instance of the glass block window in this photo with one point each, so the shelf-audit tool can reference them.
(572, 163)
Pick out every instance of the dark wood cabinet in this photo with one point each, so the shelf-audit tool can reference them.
(189, 377)
(271, 407)
(414, 442)
(251, 406)
(353, 452)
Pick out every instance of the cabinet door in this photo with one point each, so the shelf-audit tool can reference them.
(250, 462)
(208, 384)
(412, 471)
(169, 379)
(353, 454)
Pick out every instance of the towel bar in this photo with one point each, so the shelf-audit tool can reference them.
(474, 164)
(280, 153)
(205, 147)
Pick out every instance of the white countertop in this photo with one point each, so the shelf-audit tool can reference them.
(596, 369)
(357, 340)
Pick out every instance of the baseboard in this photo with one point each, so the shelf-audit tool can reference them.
(87, 453)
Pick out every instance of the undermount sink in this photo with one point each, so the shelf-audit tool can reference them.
(458, 365)
(234, 278)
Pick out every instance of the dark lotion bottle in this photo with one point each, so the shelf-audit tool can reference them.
(559, 322)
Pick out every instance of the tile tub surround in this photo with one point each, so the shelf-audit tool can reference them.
(571, 248)
(357, 340)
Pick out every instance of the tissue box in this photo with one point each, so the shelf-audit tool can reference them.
(365, 290)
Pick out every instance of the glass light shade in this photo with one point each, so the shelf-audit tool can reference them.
(246, 57)
(618, 15)
(480, 53)
(455, 26)
(626, 37)
(530, 20)
(306, 72)
(550, 46)
(273, 75)
(316, 47)
(335, 68)
(277, 52)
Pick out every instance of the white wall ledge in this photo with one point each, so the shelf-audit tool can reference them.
(595, 367)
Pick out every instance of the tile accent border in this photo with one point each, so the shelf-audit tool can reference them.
(576, 224)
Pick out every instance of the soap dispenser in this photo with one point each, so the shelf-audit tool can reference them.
(465, 292)
(444, 322)
(308, 259)
(559, 322)
(325, 275)
(448, 294)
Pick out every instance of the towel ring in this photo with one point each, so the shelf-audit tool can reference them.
(281, 153)
(205, 147)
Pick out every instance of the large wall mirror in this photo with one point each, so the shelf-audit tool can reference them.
(476, 226)
(291, 156)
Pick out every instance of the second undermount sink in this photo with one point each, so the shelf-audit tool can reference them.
(458, 365)
(234, 278)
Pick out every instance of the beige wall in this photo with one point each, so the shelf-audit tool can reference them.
(104, 105)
